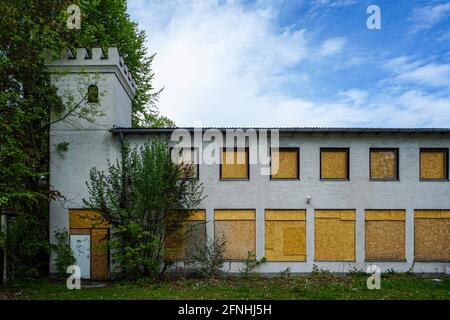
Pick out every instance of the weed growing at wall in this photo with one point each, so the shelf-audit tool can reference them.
(251, 263)
(209, 259)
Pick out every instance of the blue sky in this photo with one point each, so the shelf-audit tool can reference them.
(299, 63)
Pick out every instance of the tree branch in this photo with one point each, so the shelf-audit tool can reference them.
(65, 116)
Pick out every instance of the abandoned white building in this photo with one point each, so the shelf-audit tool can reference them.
(343, 198)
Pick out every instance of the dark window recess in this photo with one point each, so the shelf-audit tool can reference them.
(92, 94)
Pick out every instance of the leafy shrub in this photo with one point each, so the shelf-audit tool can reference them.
(64, 255)
(27, 247)
(144, 200)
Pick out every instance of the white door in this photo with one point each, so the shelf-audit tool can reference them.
(81, 249)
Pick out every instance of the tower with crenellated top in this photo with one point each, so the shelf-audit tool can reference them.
(97, 90)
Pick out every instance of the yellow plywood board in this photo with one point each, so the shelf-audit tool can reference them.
(432, 214)
(431, 239)
(285, 214)
(285, 235)
(433, 164)
(285, 164)
(82, 219)
(99, 254)
(383, 164)
(384, 215)
(197, 215)
(334, 237)
(180, 243)
(240, 238)
(234, 214)
(385, 235)
(174, 245)
(234, 164)
(335, 214)
(270, 237)
(293, 240)
(334, 164)
(80, 231)
(285, 240)
(185, 243)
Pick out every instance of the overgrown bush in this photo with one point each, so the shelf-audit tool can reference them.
(64, 255)
(27, 247)
(144, 200)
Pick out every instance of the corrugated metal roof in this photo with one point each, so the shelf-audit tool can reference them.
(290, 130)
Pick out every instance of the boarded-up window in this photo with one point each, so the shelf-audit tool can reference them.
(189, 163)
(285, 164)
(432, 235)
(191, 238)
(235, 164)
(385, 235)
(433, 164)
(285, 235)
(334, 235)
(238, 228)
(384, 164)
(85, 219)
(334, 163)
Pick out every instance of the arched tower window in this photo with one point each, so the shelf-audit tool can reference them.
(92, 94)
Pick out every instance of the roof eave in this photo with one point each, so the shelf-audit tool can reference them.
(288, 130)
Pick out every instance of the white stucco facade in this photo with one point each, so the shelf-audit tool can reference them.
(91, 145)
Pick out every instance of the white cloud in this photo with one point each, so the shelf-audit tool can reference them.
(217, 62)
(444, 37)
(354, 95)
(426, 17)
(227, 65)
(431, 74)
(402, 64)
(332, 46)
(417, 108)
(319, 6)
(409, 71)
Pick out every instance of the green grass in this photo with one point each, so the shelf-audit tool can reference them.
(319, 285)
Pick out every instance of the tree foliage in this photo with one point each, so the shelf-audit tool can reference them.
(26, 96)
(144, 200)
(27, 251)
(28, 28)
(107, 23)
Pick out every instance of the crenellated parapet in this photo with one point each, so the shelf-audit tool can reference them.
(95, 60)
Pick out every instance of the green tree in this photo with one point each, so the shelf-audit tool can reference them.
(145, 201)
(107, 23)
(28, 28)
(27, 251)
